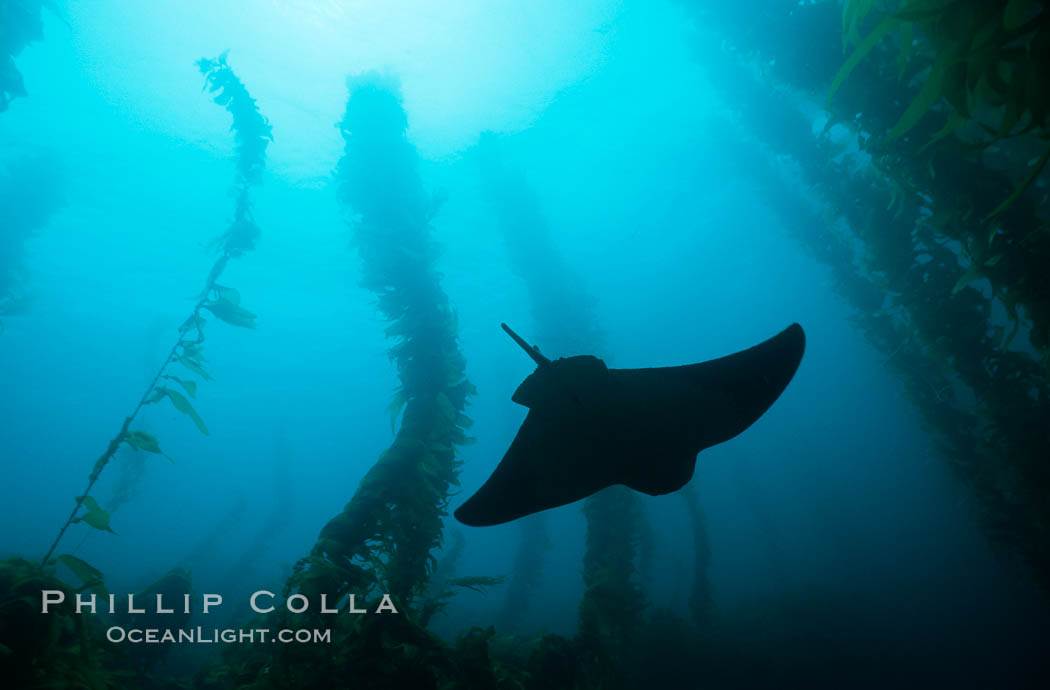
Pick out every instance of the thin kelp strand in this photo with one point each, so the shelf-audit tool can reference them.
(252, 133)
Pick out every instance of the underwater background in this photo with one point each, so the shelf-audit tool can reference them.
(656, 183)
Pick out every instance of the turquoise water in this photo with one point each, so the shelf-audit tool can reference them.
(834, 506)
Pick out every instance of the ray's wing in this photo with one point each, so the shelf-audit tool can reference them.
(679, 411)
(555, 459)
(732, 392)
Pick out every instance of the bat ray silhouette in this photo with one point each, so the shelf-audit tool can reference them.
(590, 427)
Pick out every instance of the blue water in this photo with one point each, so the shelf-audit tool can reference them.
(836, 502)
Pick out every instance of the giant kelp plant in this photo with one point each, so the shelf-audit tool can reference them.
(514, 204)
(58, 650)
(936, 230)
(252, 135)
(280, 506)
(526, 571)
(62, 649)
(701, 601)
(30, 187)
(565, 325)
(30, 193)
(384, 540)
(393, 522)
(20, 25)
(269, 529)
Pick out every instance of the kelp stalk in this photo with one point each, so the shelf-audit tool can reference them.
(389, 530)
(252, 135)
(101, 517)
(701, 601)
(384, 541)
(563, 314)
(526, 570)
(31, 191)
(20, 25)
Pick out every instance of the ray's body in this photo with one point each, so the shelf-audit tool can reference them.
(590, 426)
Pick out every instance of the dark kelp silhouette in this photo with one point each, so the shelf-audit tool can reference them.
(590, 427)
(20, 25)
(940, 227)
(32, 189)
(564, 319)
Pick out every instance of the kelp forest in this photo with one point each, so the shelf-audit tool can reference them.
(929, 207)
(903, 146)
